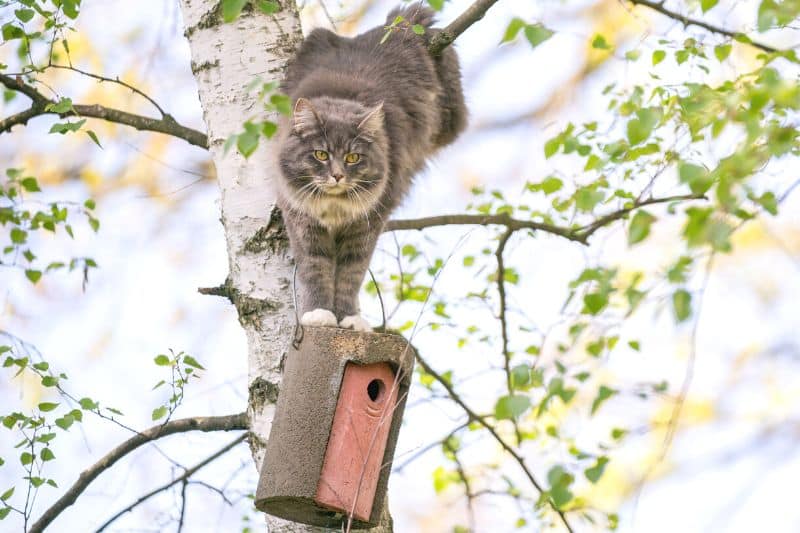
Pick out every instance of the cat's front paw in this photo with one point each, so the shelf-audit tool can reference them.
(355, 322)
(319, 317)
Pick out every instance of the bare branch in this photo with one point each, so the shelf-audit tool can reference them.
(687, 21)
(473, 416)
(39, 103)
(116, 80)
(184, 478)
(501, 315)
(210, 423)
(470, 16)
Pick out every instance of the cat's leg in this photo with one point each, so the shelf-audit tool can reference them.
(313, 249)
(354, 247)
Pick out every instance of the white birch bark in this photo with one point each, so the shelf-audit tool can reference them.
(225, 59)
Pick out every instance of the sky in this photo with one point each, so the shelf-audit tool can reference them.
(161, 239)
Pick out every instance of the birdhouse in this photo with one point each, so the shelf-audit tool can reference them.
(335, 427)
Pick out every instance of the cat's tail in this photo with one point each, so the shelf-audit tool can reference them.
(413, 14)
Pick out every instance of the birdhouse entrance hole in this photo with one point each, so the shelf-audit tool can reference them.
(375, 389)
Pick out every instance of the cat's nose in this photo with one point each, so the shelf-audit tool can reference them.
(337, 177)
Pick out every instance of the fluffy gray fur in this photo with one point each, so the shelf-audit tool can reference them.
(392, 104)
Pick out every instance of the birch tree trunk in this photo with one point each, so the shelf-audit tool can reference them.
(225, 59)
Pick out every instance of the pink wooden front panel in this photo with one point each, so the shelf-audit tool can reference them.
(358, 438)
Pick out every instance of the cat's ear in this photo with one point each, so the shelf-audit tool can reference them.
(304, 117)
(372, 124)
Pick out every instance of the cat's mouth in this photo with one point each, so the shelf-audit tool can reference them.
(335, 190)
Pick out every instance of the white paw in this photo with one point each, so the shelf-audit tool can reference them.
(355, 322)
(319, 317)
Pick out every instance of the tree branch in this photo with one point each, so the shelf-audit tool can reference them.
(470, 16)
(482, 220)
(210, 423)
(39, 103)
(181, 479)
(687, 21)
(578, 234)
(488, 427)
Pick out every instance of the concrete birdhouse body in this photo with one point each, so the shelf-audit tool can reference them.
(335, 428)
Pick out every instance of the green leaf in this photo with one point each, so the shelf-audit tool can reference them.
(159, 412)
(88, 404)
(65, 422)
(11, 32)
(4, 512)
(43, 366)
(191, 361)
(18, 236)
(520, 376)
(552, 146)
(777, 13)
(722, 51)
(66, 127)
(640, 227)
(603, 394)
(698, 179)
(681, 304)
(594, 302)
(47, 406)
(7, 494)
(33, 275)
(511, 407)
(436, 4)
(93, 136)
(551, 185)
(162, 360)
(47, 454)
(769, 202)
(419, 29)
(231, 9)
(247, 143)
(62, 106)
(640, 128)
(537, 34)
(560, 480)
(269, 7)
(586, 198)
(25, 15)
(658, 57)
(25, 458)
(513, 29)
(705, 5)
(599, 42)
(30, 185)
(594, 473)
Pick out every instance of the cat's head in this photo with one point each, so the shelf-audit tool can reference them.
(335, 155)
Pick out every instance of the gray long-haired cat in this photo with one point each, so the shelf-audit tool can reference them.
(367, 115)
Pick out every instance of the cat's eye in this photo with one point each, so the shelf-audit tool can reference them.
(352, 159)
(321, 155)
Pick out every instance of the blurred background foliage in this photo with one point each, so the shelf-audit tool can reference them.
(637, 355)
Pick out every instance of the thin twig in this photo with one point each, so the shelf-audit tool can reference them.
(116, 80)
(482, 421)
(687, 21)
(501, 316)
(210, 423)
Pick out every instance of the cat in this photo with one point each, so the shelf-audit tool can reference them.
(368, 112)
